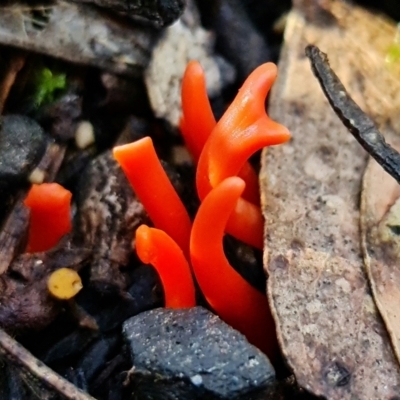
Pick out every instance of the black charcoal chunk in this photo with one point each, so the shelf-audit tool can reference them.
(22, 145)
(192, 354)
(159, 12)
(96, 357)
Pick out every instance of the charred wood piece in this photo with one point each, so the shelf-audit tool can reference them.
(159, 12)
(356, 121)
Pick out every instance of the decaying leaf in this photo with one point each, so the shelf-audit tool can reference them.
(380, 211)
(380, 225)
(329, 329)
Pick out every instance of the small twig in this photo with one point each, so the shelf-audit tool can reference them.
(18, 356)
(356, 121)
(17, 61)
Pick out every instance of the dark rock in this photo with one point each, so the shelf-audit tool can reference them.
(22, 145)
(192, 354)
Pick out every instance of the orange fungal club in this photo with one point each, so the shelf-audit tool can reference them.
(50, 215)
(155, 247)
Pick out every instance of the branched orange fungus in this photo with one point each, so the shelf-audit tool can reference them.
(231, 296)
(50, 215)
(64, 283)
(145, 173)
(244, 128)
(155, 247)
(198, 122)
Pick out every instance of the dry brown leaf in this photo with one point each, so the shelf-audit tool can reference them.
(328, 326)
(380, 225)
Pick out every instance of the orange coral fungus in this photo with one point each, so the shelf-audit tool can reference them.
(50, 216)
(198, 121)
(198, 118)
(231, 296)
(155, 247)
(145, 173)
(244, 128)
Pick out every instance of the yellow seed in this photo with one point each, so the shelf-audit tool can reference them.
(64, 283)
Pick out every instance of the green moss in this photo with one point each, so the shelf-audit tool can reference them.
(48, 85)
(393, 53)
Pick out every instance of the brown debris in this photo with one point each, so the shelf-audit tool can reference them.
(328, 327)
(25, 301)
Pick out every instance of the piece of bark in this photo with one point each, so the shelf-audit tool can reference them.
(13, 235)
(328, 327)
(78, 33)
(108, 215)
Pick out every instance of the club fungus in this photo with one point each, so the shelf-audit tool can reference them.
(198, 122)
(64, 283)
(50, 215)
(145, 173)
(231, 296)
(155, 247)
(243, 129)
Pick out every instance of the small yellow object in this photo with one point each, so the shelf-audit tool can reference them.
(64, 283)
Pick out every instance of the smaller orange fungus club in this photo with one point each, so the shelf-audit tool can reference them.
(145, 173)
(155, 247)
(50, 215)
(243, 129)
(198, 122)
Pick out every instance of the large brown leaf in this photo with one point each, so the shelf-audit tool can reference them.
(380, 225)
(328, 326)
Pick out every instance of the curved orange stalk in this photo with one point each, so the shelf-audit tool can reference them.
(198, 117)
(232, 297)
(246, 223)
(155, 247)
(50, 216)
(244, 128)
(198, 121)
(145, 173)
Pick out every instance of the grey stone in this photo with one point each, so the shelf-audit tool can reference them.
(192, 354)
(22, 145)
